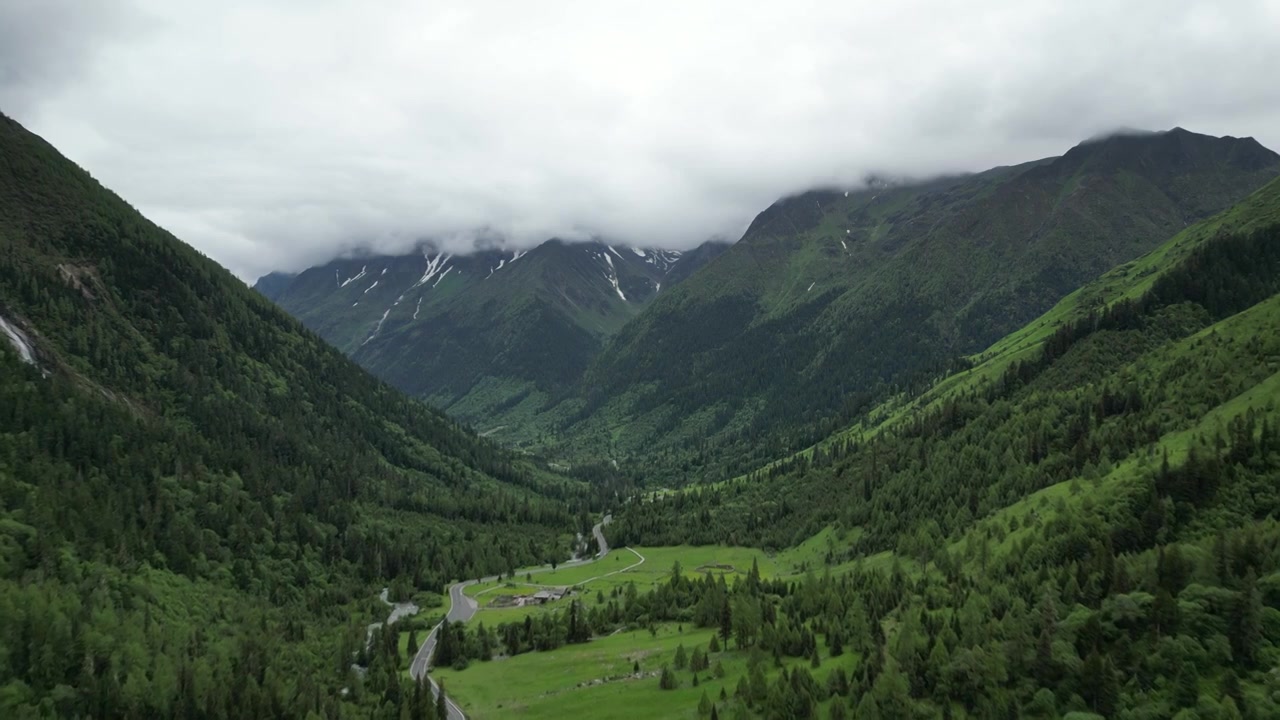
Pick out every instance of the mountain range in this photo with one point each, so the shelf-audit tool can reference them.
(829, 302)
(480, 334)
(995, 445)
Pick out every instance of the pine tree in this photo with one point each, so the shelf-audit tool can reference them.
(681, 660)
(444, 652)
(868, 708)
(418, 707)
(667, 681)
(1187, 688)
(1046, 667)
(1164, 613)
(726, 621)
(1246, 621)
(704, 704)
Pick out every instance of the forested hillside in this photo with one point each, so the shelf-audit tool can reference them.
(833, 301)
(199, 499)
(1091, 529)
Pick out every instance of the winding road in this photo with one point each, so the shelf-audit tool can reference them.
(462, 608)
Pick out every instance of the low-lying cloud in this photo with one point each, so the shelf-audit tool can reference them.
(277, 135)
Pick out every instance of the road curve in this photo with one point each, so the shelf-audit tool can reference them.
(462, 608)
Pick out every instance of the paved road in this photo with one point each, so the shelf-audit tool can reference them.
(462, 608)
(604, 544)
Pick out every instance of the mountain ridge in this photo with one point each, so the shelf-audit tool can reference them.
(832, 293)
(195, 484)
(482, 329)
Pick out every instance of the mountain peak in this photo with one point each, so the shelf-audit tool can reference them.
(1174, 151)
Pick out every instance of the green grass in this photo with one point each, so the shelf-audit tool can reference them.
(605, 575)
(556, 684)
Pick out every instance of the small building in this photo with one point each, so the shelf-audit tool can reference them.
(545, 596)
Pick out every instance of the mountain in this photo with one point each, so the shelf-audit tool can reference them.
(199, 498)
(834, 300)
(272, 285)
(1083, 524)
(483, 333)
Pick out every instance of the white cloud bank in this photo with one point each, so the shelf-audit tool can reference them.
(274, 135)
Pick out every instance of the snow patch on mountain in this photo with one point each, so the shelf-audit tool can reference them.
(612, 275)
(354, 278)
(435, 265)
(19, 340)
(492, 270)
(662, 259)
(377, 328)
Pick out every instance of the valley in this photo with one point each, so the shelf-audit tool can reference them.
(988, 445)
(1091, 499)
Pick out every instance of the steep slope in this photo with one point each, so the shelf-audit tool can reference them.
(1093, 531)
(199, 499)
(485, 333)
(832, 298)
(1124, 283)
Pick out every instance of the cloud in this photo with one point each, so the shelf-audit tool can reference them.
(277, 135)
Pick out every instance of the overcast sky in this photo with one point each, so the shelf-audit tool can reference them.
(275, 135)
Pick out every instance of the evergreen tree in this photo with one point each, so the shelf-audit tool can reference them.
(1046, 667)
(668, 681)
(1246, 621)
(1187, 689)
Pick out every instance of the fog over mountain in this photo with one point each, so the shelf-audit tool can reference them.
(276, 136)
